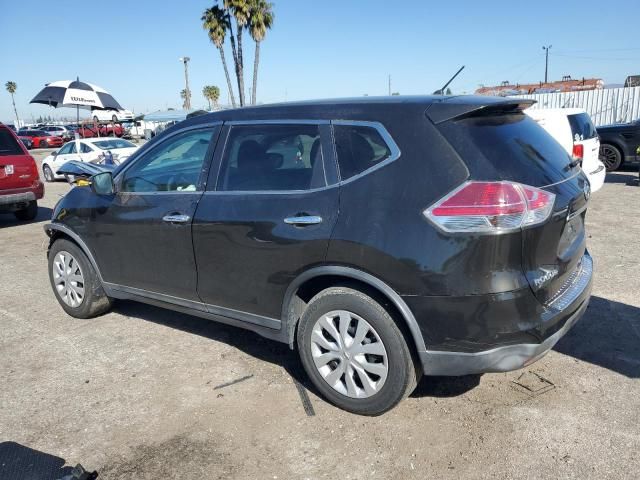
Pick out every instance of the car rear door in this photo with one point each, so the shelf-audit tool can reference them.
(17, 167)
(267, 215)
(142, 239)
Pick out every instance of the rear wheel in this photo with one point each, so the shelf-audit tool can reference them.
(75, 282)
(28, 213)
(610, 156)
(48, 174)
(354, 352)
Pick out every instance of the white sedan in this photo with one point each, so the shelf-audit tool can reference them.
(114, 116)
(94, 150)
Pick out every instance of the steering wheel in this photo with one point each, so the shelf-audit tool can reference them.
(178, 180)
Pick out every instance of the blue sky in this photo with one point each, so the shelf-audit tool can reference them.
(317, 49)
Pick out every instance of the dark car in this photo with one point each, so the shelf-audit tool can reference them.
(619, 144)
(26, 141)
(20, 185)
(382, 238)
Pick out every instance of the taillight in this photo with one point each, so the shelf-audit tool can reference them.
(578, 151)
(33, 169)
(491, 207)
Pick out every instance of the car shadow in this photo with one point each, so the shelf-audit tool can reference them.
(18, 462)
(9, 219)
(623, 178)
(608, 335)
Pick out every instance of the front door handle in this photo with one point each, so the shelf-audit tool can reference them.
(176, 218)
(303, 220)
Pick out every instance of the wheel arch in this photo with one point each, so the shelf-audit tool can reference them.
(317, 279)
(56, 231)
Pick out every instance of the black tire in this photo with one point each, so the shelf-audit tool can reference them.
(611, 156)
(95, 301)
(43, 144)
(29, 213)
(402, 374)
(47, 173)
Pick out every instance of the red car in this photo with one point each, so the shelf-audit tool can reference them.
(20, 185)
(105, 131)
(42, 139)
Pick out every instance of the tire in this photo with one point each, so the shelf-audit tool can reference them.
(29, 213)
(610, 156)
(43, 144)
(64, 257)
(386, 388)
(47, 173)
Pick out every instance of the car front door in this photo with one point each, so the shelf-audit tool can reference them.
(143, 238)
(66, 153)
(267, 215)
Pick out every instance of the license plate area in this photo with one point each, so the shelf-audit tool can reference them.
(6, 170)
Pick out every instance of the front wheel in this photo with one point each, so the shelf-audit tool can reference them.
(75, 282)
(48, 174)
(354, 352)
(43, 144)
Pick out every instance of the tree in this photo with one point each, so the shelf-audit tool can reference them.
(260, 20)
(11, 88)
(240, 11)
(216, 21)
(183, 95)
(212, 94)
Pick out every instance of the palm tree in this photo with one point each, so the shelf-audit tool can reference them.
(216, 21)
(11, 88)
(183, 95)
(240, 10)
(212, 94)
(260, 21)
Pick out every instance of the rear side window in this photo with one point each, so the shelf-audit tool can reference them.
(265, 157)
(581, 127)
(8, 144)
(358, 148)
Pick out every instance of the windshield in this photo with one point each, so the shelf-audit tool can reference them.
(581, 127)
(113, 144)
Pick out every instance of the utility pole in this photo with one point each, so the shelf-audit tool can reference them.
(546, 62)
(389, 85)
(187, 99)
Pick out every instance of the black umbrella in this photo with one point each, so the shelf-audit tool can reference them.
(74, 93)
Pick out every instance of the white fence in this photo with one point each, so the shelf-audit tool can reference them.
(605, 106)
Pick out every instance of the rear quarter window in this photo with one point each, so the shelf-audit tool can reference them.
(8, 144)
(359, 148)
(581, 127)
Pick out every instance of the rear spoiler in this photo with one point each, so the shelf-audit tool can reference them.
(456, 108)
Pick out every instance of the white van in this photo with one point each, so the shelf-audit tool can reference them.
(572, 128)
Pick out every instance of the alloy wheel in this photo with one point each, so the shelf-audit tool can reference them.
(349, 354)
(68, 279)
(48, 174)
(609, 156)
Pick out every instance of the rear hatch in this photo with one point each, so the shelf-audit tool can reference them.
(498, 142)
(17, 167)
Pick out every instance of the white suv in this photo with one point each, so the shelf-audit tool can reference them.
(112, 115)
(572, 128)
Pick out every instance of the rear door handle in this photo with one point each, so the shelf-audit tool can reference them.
(303, 220)
(176, 218)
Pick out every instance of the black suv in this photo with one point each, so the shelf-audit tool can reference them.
(382, 238)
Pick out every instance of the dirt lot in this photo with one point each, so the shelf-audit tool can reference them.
(144, 393)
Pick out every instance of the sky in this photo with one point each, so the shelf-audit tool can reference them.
(316, 49)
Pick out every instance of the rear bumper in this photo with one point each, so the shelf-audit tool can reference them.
(17, 199)
(596, 177)
(551, 324)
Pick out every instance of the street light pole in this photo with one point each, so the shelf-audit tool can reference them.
(187, 97)
(546, 62)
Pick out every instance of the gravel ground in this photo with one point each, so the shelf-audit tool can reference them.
(144, 393)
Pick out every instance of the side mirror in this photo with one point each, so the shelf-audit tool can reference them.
(102, 183)
(55, 153)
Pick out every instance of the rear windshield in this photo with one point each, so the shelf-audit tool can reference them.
(511, 147)
(8, 144)
(581, 127)
(111, 144)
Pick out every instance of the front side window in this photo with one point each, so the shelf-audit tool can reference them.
(358, 148)
(66, 149)
(174, 165)
(272, 158)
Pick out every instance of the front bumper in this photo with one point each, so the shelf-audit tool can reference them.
(555, 321)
